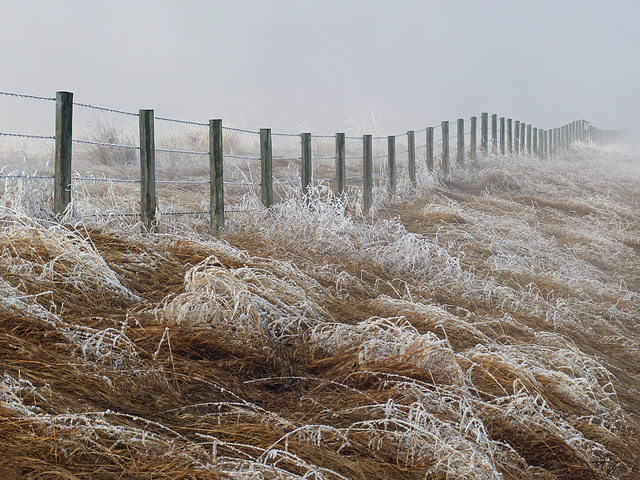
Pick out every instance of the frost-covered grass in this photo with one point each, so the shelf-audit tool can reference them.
(483, 327)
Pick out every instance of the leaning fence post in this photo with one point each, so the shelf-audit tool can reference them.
(367, 173)
(473, 140)
(484, 134)
(63, 149)
(430, 149)
(266, 167)
(306, 170)
(216, 181)
(341, 169)
(411, 153)
(460, 137)
(446, 168)
(147, 172)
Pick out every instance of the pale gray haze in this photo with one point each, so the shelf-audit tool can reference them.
(320, 66)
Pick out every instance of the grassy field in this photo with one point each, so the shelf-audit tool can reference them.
(484, 327)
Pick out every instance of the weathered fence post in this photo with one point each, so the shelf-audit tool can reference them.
(411, 154)
(534, 141)
(494, 133)
(540, 143)
(510, 134)
(473, 138)
(367, 172)
(484, 133)
(430, 149)
(529, 139)
(460, 137)
(63, 149)
(341, 169)
(522, 137)
(147, 172)
(306, 171)
(502, 136)
(516, 137)
(391, 158)
(216, 180)
(266, 167)
(446, 167)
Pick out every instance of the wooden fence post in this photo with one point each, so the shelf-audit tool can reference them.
(216, 180)
(147, 173)
(429, 148)
(473, 140)
(522, 137)
(411, 146)
(534, 141)
(460, 138)
(63, 149)
(510, 135)
(341, 169)
(306, 173)
(266, 167)
(529, 132)
(502, 136)
(540, 143)
(516, 137)
(446, 167)
(494, 133)
(484, 133)
(391, 158)
(367, 172)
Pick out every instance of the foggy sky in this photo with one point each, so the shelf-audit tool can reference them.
(298, 65)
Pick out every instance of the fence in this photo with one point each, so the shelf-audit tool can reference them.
(498, 136)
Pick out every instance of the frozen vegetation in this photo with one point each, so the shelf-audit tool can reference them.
(482, 327)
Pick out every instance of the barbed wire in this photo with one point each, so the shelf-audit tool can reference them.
(104, 144)
(103, 179)
(185, 213)
(23, 95)
(27, 135)
(241, 157)
(275, 134)
(22, 175)
(106, 109)
(185, 122)
(185, 152)
(241, 130)
(184, 182)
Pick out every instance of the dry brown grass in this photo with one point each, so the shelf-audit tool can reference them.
(466, 333)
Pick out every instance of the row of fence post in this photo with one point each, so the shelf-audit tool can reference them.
(507, 137)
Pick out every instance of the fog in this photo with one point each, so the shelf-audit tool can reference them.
(323, 66)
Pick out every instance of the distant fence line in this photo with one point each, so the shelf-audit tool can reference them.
(498, 136)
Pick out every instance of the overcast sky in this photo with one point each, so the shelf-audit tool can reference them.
(298, 65)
